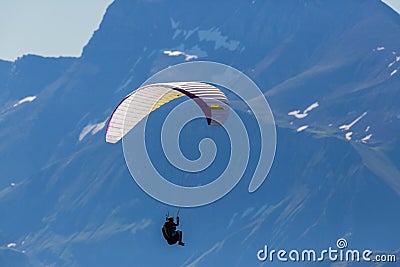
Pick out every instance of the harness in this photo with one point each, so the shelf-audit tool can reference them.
(165, 232)
(170, 239)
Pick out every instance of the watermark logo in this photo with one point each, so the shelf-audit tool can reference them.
(341, 243)
(338, 254)
(145, 172)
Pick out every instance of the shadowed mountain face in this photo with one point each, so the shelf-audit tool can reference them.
(330, 71)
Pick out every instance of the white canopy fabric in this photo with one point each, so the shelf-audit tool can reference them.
(144, 100)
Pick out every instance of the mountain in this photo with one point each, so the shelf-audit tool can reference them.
(329, 71)
(22, 81)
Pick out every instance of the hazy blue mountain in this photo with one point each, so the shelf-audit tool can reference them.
(67, 198)
(11, 257)
(22, 154)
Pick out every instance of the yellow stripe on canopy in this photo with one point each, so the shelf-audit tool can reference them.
(166, 98)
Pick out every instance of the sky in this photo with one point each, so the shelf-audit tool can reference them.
(395, 4)
(55, 28)
(48, 27)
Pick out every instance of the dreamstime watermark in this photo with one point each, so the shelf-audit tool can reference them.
(340, 253)
(145, 172)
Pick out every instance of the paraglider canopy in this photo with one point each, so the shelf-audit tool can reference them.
(146, 99)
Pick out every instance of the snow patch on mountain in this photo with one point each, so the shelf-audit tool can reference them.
(302, 128)
(366, 138)
(25, 100)
(92, 129)
(196, 50)
(298, 115)
(211, 35)
(393, 64)
(11, 245)
(179, 53)
(186, 33)
(347, 127)
(311, 107)
(348, 135)
(221, 41)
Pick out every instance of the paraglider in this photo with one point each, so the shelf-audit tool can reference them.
(170, 233)
(140, 103)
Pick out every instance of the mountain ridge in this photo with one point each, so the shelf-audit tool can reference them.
(70, 196)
